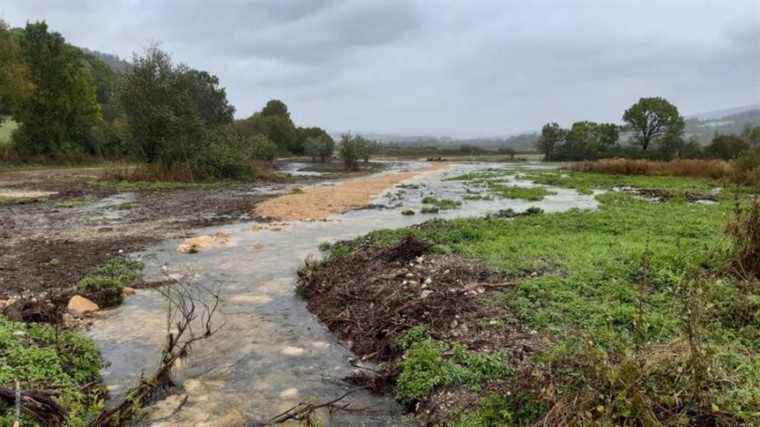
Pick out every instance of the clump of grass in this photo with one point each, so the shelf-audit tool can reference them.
(429, 364)
(43, 358)
(441, 204)
(104, 286)
(533, 194)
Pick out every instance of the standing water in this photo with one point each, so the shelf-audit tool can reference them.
(271, 353)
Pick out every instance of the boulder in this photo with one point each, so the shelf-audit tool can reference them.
(128, 291)
(79, 306)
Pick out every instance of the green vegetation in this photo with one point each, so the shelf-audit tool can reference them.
(104, 285)
(6, 129)
(424, 367)
(532, 194)
(649, 309)
(55, 120)
(43, 358)
(441, 204)
(654, 129)
(353, 149)
(586, 182)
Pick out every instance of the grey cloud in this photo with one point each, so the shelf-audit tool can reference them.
(438, 66)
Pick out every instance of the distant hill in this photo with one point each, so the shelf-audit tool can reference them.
(520, 142)
(704, 126)
(718, 114)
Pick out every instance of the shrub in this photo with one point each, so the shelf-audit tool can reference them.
(744, 229)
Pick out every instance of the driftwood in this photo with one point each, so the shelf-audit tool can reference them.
(185, 309)
(38, 404)
(304, 410)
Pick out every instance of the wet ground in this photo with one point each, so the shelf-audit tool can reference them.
(271, 352)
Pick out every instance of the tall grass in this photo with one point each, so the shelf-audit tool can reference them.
(715, 169)
(743, 171)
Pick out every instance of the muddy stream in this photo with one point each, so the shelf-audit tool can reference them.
(271, 352)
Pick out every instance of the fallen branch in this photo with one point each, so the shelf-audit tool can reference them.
(38, 404)
(304, 410)
(185, 309)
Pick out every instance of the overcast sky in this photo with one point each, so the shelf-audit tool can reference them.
(465, 68)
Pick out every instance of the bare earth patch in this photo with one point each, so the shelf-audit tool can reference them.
(319, 202)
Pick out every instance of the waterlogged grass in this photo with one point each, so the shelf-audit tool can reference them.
(610, 288)
(39, 357)
(586, 182)
(441, 204)
(533, 194)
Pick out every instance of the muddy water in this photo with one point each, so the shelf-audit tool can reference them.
(271, 352)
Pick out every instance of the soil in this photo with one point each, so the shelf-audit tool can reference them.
(49, 243)
(372, 297)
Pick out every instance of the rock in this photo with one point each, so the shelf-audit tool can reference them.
(79, 306)
(68, 319)
(128, 291)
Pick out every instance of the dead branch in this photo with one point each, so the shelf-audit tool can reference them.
(304, 410)
(38, 404)
(191, 309)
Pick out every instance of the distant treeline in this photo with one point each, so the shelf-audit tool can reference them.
(73, 104)
(653, 129)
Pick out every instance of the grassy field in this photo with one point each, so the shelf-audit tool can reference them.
(642, 319)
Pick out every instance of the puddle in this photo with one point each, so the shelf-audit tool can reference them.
(272, 352)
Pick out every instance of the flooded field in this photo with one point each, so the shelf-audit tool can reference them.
(271, 353)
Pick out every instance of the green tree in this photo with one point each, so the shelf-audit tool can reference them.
(173, 111)
(275, 107)
(727, 147)
(351, 150)
(551, 136)
(263, 148)
(15, 84)
(57, 119)
(752, 135)
(653, 119)
(274, 122)
(319, 147)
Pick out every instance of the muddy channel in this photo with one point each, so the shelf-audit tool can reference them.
(271, 353)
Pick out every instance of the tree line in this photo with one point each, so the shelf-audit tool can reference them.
(653, 129)
(70, 105)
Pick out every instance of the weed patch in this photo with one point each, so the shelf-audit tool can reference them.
(43, 358)
(104, 285)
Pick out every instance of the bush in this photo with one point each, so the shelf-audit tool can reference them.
(748, 167)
